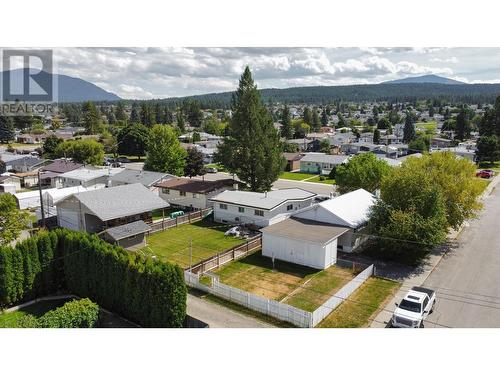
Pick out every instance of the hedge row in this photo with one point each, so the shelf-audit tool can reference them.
(148, 292)
(81, 313)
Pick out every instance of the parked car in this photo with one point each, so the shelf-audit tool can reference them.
(485, 173)
(414, 308)
(123, 159)
(211, 170)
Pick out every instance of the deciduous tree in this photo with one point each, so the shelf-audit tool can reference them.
(165, 153)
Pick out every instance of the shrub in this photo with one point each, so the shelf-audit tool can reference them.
(148, 292)
(74, 314)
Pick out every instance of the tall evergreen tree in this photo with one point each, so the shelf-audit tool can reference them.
(91, 118)
(120, 114)
(316, 122)
(462, 125)
(376, 136)
(134, 114)
(307, 116)
(180, 121)
(324, 117)
(194, 163)
(252, 149)
(286, 123)
(7, 133)
(409, 133)
(147, 115)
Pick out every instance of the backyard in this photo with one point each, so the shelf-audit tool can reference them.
(363, 305)
(297, 176)
(426, 127)
(303, 287)
(206, 236)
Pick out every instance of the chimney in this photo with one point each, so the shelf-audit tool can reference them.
(235, 186)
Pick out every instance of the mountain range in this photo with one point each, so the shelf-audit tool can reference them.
(69, 89)
(429, 78)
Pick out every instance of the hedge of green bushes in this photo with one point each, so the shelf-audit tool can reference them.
(81, 313)
(148, 292)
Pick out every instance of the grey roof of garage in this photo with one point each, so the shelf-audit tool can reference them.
(305, 230)
(120, 201)
(128, 230)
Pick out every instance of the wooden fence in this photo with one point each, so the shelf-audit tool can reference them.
(188, 218)
(229, 255)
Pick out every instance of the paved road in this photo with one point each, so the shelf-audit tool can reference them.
(218, 316)
(467, 279)
(314, 187)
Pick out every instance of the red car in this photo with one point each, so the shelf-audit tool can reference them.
(485, 173)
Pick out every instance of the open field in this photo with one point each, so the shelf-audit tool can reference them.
(10, 320)
(362, 306)
(302, 287)
(207, 240)
(427, 127)
(296, 176)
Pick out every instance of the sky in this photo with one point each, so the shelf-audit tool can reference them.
(145, 73)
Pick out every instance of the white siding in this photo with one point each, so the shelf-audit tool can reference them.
(300, 252)
(318, 213)
(233, 215)
(67, 219)
(195, 200)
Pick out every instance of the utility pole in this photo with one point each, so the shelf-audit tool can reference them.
(190, 255)
(41, 199)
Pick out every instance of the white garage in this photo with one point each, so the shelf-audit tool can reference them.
(300, 241)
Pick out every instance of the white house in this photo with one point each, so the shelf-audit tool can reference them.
(320, 163)
(312, 236)
(260, 209)
(82, 177)
(193, 194)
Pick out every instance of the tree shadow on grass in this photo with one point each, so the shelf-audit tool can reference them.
(257, 259)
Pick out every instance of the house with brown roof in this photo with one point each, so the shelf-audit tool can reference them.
(193, 194)
(55, 169)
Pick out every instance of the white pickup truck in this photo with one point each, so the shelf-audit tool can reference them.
(414, 308)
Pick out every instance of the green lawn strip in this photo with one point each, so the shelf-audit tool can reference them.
(207, 240)
(326, 180)
(296, 176)
(362, 305)
(9, 320)
(483, 183)
(320, 288)
(426, 126)
(219, 167)
(495, 166)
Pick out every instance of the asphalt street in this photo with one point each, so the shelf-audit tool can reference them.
(467, 279)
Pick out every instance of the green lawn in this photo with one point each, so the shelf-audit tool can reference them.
(302, 287)
(219, 167)
(362, 306)
(296, 176)
(427, 127)
(207, 240)
(326, 180)
(157, 214)
(483, 182)
(9, 320)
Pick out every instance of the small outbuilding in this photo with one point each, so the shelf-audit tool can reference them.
(129, 236)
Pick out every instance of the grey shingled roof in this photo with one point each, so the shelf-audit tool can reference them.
(128, 230)
(120, 201)
(305, 230)
(323, 158)
(266, 201)
(147, 178)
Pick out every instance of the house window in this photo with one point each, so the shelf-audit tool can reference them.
(241, 209)
(182, 193)
(165, 191)
(259, 213)
(223, 206)
(289, 207)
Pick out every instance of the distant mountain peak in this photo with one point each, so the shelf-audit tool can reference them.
(429, 78)
(69, 89)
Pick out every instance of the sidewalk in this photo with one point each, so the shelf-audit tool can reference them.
(418, 277)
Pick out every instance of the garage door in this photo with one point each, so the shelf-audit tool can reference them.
(68, 219)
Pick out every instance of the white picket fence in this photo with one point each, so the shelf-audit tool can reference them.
(278, 310)
(333, 302)
(275, 309)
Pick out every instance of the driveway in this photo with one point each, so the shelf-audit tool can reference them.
(218, 316)
(467, 280)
